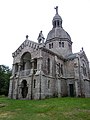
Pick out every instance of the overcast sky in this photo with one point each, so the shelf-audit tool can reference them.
(21, 17)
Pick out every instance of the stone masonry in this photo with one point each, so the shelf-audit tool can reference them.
(48, 68)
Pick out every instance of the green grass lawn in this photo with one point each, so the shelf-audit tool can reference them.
(48, 109)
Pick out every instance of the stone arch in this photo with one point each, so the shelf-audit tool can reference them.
(26, 61)
(24, 88)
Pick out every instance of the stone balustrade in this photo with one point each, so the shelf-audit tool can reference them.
(25, 72)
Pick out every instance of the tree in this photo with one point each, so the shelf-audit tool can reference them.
(5, 74)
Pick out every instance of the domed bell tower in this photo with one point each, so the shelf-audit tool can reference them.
(58, 40)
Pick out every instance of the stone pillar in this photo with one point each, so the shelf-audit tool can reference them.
(13, 69)
(10, 88)
(76, 88)
(39, 63)
(10, 94)
(80, 77)
(17, 89)
(59, 87)
(19, 67)
(32, 76)
(27, 64)
(40, 74)
(32, 69)
(58, 79)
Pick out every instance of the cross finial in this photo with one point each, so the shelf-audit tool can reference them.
(82, 48)
(56, 9)
(27, 36)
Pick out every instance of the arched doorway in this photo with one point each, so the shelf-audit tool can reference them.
(71, 89)
(24, 88)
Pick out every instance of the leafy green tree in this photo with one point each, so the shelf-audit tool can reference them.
(5, 73)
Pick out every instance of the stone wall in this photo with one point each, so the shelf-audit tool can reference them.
(87, 88)
(70, 69)
(63, 51)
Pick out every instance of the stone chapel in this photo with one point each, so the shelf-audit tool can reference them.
(49, 68)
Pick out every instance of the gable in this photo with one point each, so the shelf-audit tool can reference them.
(26, 45)
(83, 57)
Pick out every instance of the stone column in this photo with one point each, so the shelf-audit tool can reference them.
(18, 75)
(27, 64)
(76, 88)
(19, 91)
(40, 76)
(39, 63)
(32, 69)
(13, 69)
(59, 87)
(19, 67)
(32, 75)
(10, 94)
(58, 79)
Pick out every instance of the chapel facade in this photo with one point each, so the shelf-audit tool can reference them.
(49, 68)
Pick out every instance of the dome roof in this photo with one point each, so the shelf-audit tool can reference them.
(57, 17)
(58, 32)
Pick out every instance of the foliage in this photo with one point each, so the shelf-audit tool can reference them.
(5, 74)
(48, 109)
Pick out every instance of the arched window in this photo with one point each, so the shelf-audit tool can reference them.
(49, 46)
(16, 67)
(52, 45)
(59, 44)
(54, 24)
(58, 23)
(35, 63)
(61, 69)
(48, 65)
(23, 66)
(48, 84)
(34, 84)
(84, 70)
(62, 44)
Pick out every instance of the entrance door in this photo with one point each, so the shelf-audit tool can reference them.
(71, 89)
(24, 88)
